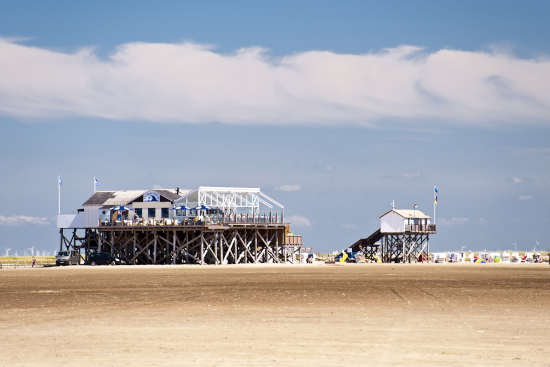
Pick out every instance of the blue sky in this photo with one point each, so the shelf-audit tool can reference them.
(351, 105)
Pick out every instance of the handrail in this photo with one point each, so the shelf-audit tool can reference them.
(263, 218)
(420, 228)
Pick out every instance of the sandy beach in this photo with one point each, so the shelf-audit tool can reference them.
(322, 315)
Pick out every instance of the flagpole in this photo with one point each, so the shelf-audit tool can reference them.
(436, 192)
(434, 212)
(58, 194)
(95, 188)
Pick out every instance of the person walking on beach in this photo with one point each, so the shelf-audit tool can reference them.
(33, 261)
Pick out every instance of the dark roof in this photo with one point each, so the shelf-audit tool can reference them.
(170, 195)
(124, 197)
(98, 198)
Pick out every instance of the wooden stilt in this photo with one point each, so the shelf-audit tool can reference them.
(155, 247)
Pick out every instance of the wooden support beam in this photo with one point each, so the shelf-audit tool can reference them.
(112, 242)
(133, 247)
(255, 246)
(221, 241)
(202, 249)
(155, 239)
(173, 247)
(142, 250)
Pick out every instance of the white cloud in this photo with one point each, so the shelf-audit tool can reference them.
(453, 221)
(299, 221)
(194, 83)
(290, 188)
(525, 197)
(15, 220)
(517, 180)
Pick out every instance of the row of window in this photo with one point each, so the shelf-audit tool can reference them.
(152, 212)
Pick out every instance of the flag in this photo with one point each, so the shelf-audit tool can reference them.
(436, 194)
(59, 180)
(96, 181)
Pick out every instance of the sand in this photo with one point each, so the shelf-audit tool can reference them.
(318, 315)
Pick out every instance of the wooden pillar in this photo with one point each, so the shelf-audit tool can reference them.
(277, 247)
(154, 247)
(256, 246)
(112, 242)
(246, 246)
(187, 246)
(174, 247)
(202, 248)
(267, 246)
(236, 247)
(215, 234)
(134, 247)
(222, 240)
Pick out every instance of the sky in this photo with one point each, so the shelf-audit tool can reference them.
(333, 109)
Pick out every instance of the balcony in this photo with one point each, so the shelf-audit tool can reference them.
(420, 228)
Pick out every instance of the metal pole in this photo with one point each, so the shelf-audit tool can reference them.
(434, 212)
(59, 195)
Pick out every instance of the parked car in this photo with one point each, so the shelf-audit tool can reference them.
(67, 258)
(102, 258)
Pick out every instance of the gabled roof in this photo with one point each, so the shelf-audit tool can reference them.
(170, 194)
(124, 197)
(120, 197)
(408, 213)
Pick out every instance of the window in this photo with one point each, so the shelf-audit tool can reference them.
(151, 212)
(164, 212)
(139, 212)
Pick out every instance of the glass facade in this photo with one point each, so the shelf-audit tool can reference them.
(151, 212)
(164, 212)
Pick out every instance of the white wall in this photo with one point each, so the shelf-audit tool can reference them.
(392, 223)
(87, 219)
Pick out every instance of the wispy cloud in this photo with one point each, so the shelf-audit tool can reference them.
(525, 197)
(517, 180)
(16, 220)
(290, 188)
(194, 83)
(299, 221)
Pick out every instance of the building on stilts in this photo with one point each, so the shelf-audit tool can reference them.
(403, 236)
(206, 225)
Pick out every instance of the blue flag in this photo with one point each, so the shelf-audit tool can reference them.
(436, 194)
(59, 180)
(96, 181)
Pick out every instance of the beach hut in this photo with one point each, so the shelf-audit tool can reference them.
(506, 257)
(439, 257)
(515, 258)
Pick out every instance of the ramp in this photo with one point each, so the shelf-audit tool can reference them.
(368, 245)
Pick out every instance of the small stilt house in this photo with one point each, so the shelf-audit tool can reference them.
(405, 220)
